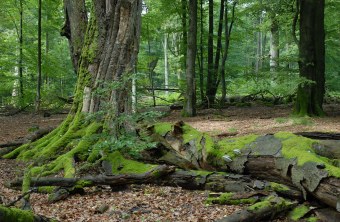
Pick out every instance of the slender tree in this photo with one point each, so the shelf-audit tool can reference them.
(39, 78)
(310, 93)
(201, 59)
(166, 63)
(190, 100)
(211, 72)
(21, 45)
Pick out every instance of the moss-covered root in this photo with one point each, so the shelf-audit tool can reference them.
(234, 198)
(17, 215)
(268, 208)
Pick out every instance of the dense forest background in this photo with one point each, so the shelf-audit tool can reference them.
(261, 56)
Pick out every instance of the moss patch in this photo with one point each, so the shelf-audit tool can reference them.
(162, 128)
(227, 198)
(278, 187)
(268, 202)
(298, 212)
(121, 165)
(227, 146)
(299, 147)
(15, 215)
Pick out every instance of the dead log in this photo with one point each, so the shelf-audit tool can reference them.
(261, 211)
(15, 214)
(320, 135)
(161, 175)
(266, 157)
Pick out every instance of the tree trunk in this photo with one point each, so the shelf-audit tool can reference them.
(74, 28)
(190, 100)
(39, 78)
(310, 95)
(166, 64)
(21, 45)
(211, 72)
(201, 61)
(184, 5)
(228, 30)
(274, 43)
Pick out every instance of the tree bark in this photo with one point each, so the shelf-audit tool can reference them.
(228, 28)
(39, 78)
(21, 55)
(166, 64)
(274, 43)
(310, 94)
(190, 100)
(74, 28)
(211, 72)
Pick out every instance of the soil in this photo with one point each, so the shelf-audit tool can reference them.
(153, 203)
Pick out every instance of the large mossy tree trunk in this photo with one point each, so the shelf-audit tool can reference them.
(108, 57)
(310, 94)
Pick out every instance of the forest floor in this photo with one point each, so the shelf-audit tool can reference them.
(153, 203)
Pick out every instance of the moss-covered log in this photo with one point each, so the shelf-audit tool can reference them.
(284, 158)
(160, 175)
(17, 215)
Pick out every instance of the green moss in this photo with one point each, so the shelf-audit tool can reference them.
(46, 189)
(83, 183)
(121, 165)
(298, 212)
(278, 187)
(269, 201)
(16, 215)
(227, 198)
(203, 173)
(312, 219)
(227, 146)
(26, 182)
(299, 147)
(162, 128)
(259, 205)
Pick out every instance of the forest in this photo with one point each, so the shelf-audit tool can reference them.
(170, 110)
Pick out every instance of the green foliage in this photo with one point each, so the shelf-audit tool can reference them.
(58, 74)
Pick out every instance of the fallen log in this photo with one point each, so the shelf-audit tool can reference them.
(283, 158)
(320, 135)
(161, 175)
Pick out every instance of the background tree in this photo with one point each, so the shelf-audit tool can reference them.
(311, 93)
(190, 100)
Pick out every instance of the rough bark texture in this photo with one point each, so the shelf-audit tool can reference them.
(310, 95)
(190, 98)
(74, 28)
